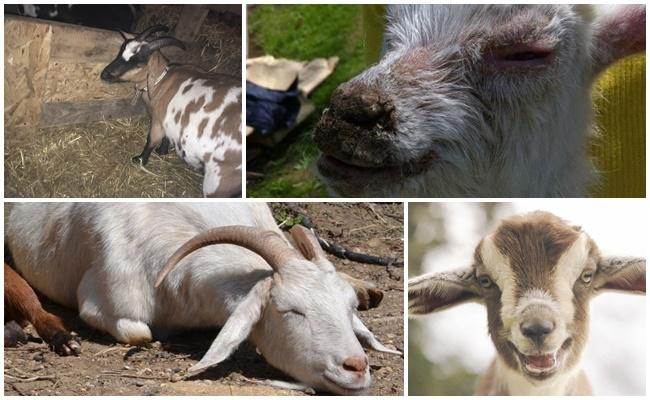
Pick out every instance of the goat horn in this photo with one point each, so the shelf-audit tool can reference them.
(267, 244)
(164, 42)
(151, 30)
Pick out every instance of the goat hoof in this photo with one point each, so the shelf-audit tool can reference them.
(162, 151)
(65, 344)
(138, 160)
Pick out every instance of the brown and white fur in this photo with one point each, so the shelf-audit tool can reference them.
(535, 274)
(199, 113)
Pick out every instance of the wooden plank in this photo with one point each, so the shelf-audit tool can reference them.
(73, 43)
(232, 8)
(190, 22)
(49, 63)
(69, 113)
(26, 59)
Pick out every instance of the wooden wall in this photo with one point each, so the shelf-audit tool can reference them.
(52, 74)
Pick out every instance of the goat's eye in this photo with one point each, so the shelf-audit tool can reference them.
(587, 276)
(484, 281)
(294, 312)
(520, 55)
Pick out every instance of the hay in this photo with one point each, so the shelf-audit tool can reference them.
(94, 160)
(218, 47)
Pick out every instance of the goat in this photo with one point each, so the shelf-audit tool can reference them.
(535, 274)
(22, 307)
(474, 100)
(112, 261)
(199, 113)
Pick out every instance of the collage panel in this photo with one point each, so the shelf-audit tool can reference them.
(308, 296)
(142, 258)
(507, 298)
(445, 100)
(123, 101)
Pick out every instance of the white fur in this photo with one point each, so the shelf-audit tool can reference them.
(104, 258)
(495, 132)
(554, 302)
(195, 147)
(131, 49)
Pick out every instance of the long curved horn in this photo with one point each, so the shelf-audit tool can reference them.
(267, 244)
(164, 42)
(151, 30)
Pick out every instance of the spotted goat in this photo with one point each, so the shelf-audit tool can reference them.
(535, 274)
(199, 113)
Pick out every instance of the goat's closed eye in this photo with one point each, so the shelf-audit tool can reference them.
(524, 55)
(293, 313)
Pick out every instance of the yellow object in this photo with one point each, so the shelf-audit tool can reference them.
(619, 152)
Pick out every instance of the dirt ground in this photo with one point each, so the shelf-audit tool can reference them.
(109, 368)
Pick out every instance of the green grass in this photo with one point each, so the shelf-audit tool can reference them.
(304, 32)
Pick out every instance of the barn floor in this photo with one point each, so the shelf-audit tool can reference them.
(94, 160)
(109, 368)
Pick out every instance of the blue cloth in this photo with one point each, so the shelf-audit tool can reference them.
(270, 110)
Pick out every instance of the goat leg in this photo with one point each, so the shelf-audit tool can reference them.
(143, 158)
(155, 137)
(164, 147)
(22, 304)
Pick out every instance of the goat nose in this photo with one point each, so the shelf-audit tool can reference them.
(355, 364)
(537, 329)
(361, 104)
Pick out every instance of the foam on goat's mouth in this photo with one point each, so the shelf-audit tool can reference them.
(539, 364)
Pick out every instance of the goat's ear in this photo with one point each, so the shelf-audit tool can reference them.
(437, 291)
(621, 273)
(619, 31)
(237, 327)
(367, 339)
(125, 35)
(307, 243)
(367, 293)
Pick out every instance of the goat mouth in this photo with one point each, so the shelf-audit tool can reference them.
(334, 168)
(540, 365)
(346, 388)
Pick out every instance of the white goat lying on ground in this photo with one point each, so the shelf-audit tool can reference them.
(474, 100)
(536, 275)
(104, 258)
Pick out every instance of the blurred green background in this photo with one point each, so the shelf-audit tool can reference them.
(428, 229)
